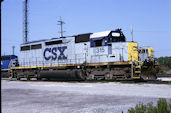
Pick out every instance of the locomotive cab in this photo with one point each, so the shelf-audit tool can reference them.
(146, 53)
(106, 37)
(117, 36)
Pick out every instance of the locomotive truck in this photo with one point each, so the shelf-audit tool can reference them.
(92, 56)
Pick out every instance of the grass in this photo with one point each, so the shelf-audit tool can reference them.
(161, 107)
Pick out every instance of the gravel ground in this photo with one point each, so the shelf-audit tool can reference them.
(75, 97)
(164, 78)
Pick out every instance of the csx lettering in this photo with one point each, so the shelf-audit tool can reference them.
(51, 53)
(62, 56)
(44, 53)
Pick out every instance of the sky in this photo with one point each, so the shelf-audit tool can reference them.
(150, 19)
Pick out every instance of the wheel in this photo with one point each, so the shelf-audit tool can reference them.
(81, 75)
(18, 78)
(90, 77)
(28, 78)
(108, 76)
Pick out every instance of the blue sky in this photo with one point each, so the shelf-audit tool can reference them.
(151, 21)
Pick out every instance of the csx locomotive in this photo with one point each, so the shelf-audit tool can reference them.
(8, 61)
(91, 56)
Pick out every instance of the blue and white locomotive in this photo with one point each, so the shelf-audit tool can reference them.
(8, 61)
(91, 56)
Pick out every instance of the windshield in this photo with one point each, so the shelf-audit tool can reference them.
(117, 36)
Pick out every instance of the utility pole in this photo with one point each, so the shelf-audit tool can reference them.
(131, 29)
(61, 25)
(13, 50)
(25, 21)
(1, 25)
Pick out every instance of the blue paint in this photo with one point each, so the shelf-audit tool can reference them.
(110, 49)
(6, 59)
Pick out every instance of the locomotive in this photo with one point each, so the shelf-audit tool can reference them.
(8, 61)
(92, 56)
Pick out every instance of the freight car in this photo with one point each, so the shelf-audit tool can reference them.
(91, 56)
(8, 61)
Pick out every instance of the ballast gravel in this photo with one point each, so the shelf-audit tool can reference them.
(78, 97)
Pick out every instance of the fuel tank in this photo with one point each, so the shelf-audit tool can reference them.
(62, 74)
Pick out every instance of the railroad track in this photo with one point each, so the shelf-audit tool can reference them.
(163, 75)
(101, 81)
(149, 82)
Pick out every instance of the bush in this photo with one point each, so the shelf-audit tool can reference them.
(164, 60)
(164, 70)
(162, 107)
